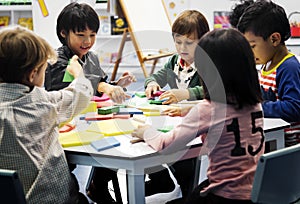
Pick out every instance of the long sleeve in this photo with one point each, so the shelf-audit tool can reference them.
(70, 101)
(165, 75)
(288, 84)
(196, 93)
(194, 124)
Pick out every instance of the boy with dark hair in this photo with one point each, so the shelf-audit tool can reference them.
(266, 27)
(77, 27)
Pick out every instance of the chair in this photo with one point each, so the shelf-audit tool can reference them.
(277, 177)
(11, 188)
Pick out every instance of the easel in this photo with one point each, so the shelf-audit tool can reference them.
(129, 34)
(142, 59)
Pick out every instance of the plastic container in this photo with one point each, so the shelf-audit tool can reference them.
(294, 19)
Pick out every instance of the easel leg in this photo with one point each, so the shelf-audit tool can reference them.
(153, 66)
(143, 66)
(119, 57)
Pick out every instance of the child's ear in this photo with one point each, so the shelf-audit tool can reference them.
(63, 33)
(275, 38)
(32, 75)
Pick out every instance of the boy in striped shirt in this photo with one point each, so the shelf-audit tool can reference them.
(266, 27)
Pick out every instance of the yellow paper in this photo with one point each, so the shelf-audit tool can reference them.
(151, 113)
(113, 127)
(75, 138)
(92, 107)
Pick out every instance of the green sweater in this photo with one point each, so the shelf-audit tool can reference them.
(166, 76)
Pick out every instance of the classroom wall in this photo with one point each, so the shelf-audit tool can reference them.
(207, 7)
(45, 26)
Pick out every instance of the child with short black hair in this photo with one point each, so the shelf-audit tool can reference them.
(229, 119)
(77, 27)
(30, 116)
(266, 27)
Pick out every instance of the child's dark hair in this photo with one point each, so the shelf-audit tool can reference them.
(76, 17)
(188, 22)
(21, 51)
(238, 10)
(264, 18)
(225, 62)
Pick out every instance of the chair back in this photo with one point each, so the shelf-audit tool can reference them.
(277, 177)
(11, 188)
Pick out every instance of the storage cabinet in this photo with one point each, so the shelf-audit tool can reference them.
(15, 12)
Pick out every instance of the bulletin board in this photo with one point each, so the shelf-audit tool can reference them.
(149, 28)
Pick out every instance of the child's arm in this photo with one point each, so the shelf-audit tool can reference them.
(288, 105)
(74, 98)
(194, 124)
(160, 78)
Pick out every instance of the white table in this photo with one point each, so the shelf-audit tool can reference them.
(136, 158)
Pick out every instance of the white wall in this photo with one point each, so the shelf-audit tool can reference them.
(45, 26)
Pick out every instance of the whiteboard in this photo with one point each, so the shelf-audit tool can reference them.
(149, 25)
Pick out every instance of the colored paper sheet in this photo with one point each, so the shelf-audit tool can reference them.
(113, 127)
(104, 97)
(68, 77)
(105, 143)
(92, 107)
(75, 138)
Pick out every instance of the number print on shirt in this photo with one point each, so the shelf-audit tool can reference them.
(255, 129)
(235, 128)
(238, 150)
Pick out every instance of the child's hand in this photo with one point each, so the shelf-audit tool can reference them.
(152, 87)
(115, 93)
(126, 79)
(139, 132)
(175, 95)
(74, 68)
(177, 111)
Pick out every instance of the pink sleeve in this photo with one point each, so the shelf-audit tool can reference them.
(193, 125)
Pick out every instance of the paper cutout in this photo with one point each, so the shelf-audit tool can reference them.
(68, 77)
(75, 138)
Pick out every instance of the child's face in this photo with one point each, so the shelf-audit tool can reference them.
(81, 42)
(185, 46)
(263, 49)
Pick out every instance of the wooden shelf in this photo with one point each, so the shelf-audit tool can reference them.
(293, 42)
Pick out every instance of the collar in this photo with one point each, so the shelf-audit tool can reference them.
(182, 65)
(13, 91)
(273, 69)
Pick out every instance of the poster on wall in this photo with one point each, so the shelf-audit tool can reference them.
(221, 19)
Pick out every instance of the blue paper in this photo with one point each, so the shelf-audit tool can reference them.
(105, 143)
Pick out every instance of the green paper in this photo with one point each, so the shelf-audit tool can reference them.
(68, 77)
(165, 128)
(140, 94)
